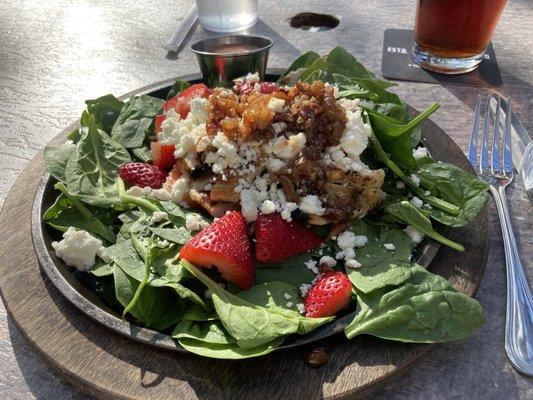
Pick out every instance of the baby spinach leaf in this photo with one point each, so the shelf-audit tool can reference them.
(395, 137)
(175, 235)
(380, 267)
(292, 271)
(227, 351)
(298, 65)
(396, 170)
(272, 295)
(143, 153)
(204, 331)
(178, 87)
(456, 186)
(342, 59)
(81, 215)
(407, 213)
(196, 313)
(106, 110)
(161, 274)
(102, 269)
(56, 158)
(135, 119)
(252, 325)
(425, 309)
(92, 170)
(156, 307)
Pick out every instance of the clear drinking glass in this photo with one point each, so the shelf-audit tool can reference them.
(226, 15)
(451, 36)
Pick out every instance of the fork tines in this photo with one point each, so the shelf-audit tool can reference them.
(498, 146)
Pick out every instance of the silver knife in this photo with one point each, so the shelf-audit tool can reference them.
(175, 41)
(522, 147)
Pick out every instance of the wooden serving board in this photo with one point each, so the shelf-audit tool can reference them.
(109, 366)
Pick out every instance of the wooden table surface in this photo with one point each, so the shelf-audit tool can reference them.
(53, 55)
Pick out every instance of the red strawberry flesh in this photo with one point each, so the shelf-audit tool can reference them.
(225, 245)
(277, 239)
(329, 295)
(142, 174)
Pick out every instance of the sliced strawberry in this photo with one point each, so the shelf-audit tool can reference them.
(158, 121)
(276, 239)
(162, 155)
(224, 244)
(329, 295)
(181, 102)
(142, 174)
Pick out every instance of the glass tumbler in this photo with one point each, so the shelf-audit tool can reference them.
(226, 15)
(451, 36)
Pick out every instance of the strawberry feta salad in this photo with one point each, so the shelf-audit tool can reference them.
(234, 218)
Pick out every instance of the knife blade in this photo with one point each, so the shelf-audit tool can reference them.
(174, 43)
(521, 147)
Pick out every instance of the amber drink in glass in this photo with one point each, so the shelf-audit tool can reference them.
(451, 36)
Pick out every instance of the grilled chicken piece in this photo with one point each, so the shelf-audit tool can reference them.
(359, 192)
(225, 191)
(216, 209)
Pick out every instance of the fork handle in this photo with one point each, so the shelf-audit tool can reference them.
(519, 315)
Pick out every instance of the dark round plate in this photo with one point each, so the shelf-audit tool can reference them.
(80, 290)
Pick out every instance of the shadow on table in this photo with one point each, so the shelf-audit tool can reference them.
(40, 380)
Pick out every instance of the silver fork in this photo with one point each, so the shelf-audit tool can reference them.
(498, 173)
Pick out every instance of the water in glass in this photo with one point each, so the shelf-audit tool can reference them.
(226, 15)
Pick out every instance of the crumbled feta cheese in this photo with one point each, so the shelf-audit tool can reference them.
(268, 207)
(102, 253)
(400, 185)
(301, 308)
(360, 240)
(287, 148)
(180, 189)
(389, 246)
(194, 222)
(279, 127)
(275, 164)
(248, 205)
(161, 194)
(415, 235)
(417, 202)
(416, 179)
(328, 261)
(346, 240)
(311, 265)
(287, 209)
(276, 105)
(305, 288)
(352, 263)
(420, 152)
(158, 216)
(79, 248)
(137, 191)
(185, 133)
(354, 139)
(290, 304)
(349, 253)
(287, 296)
(311, 204)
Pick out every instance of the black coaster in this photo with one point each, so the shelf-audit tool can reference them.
(397, 64)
